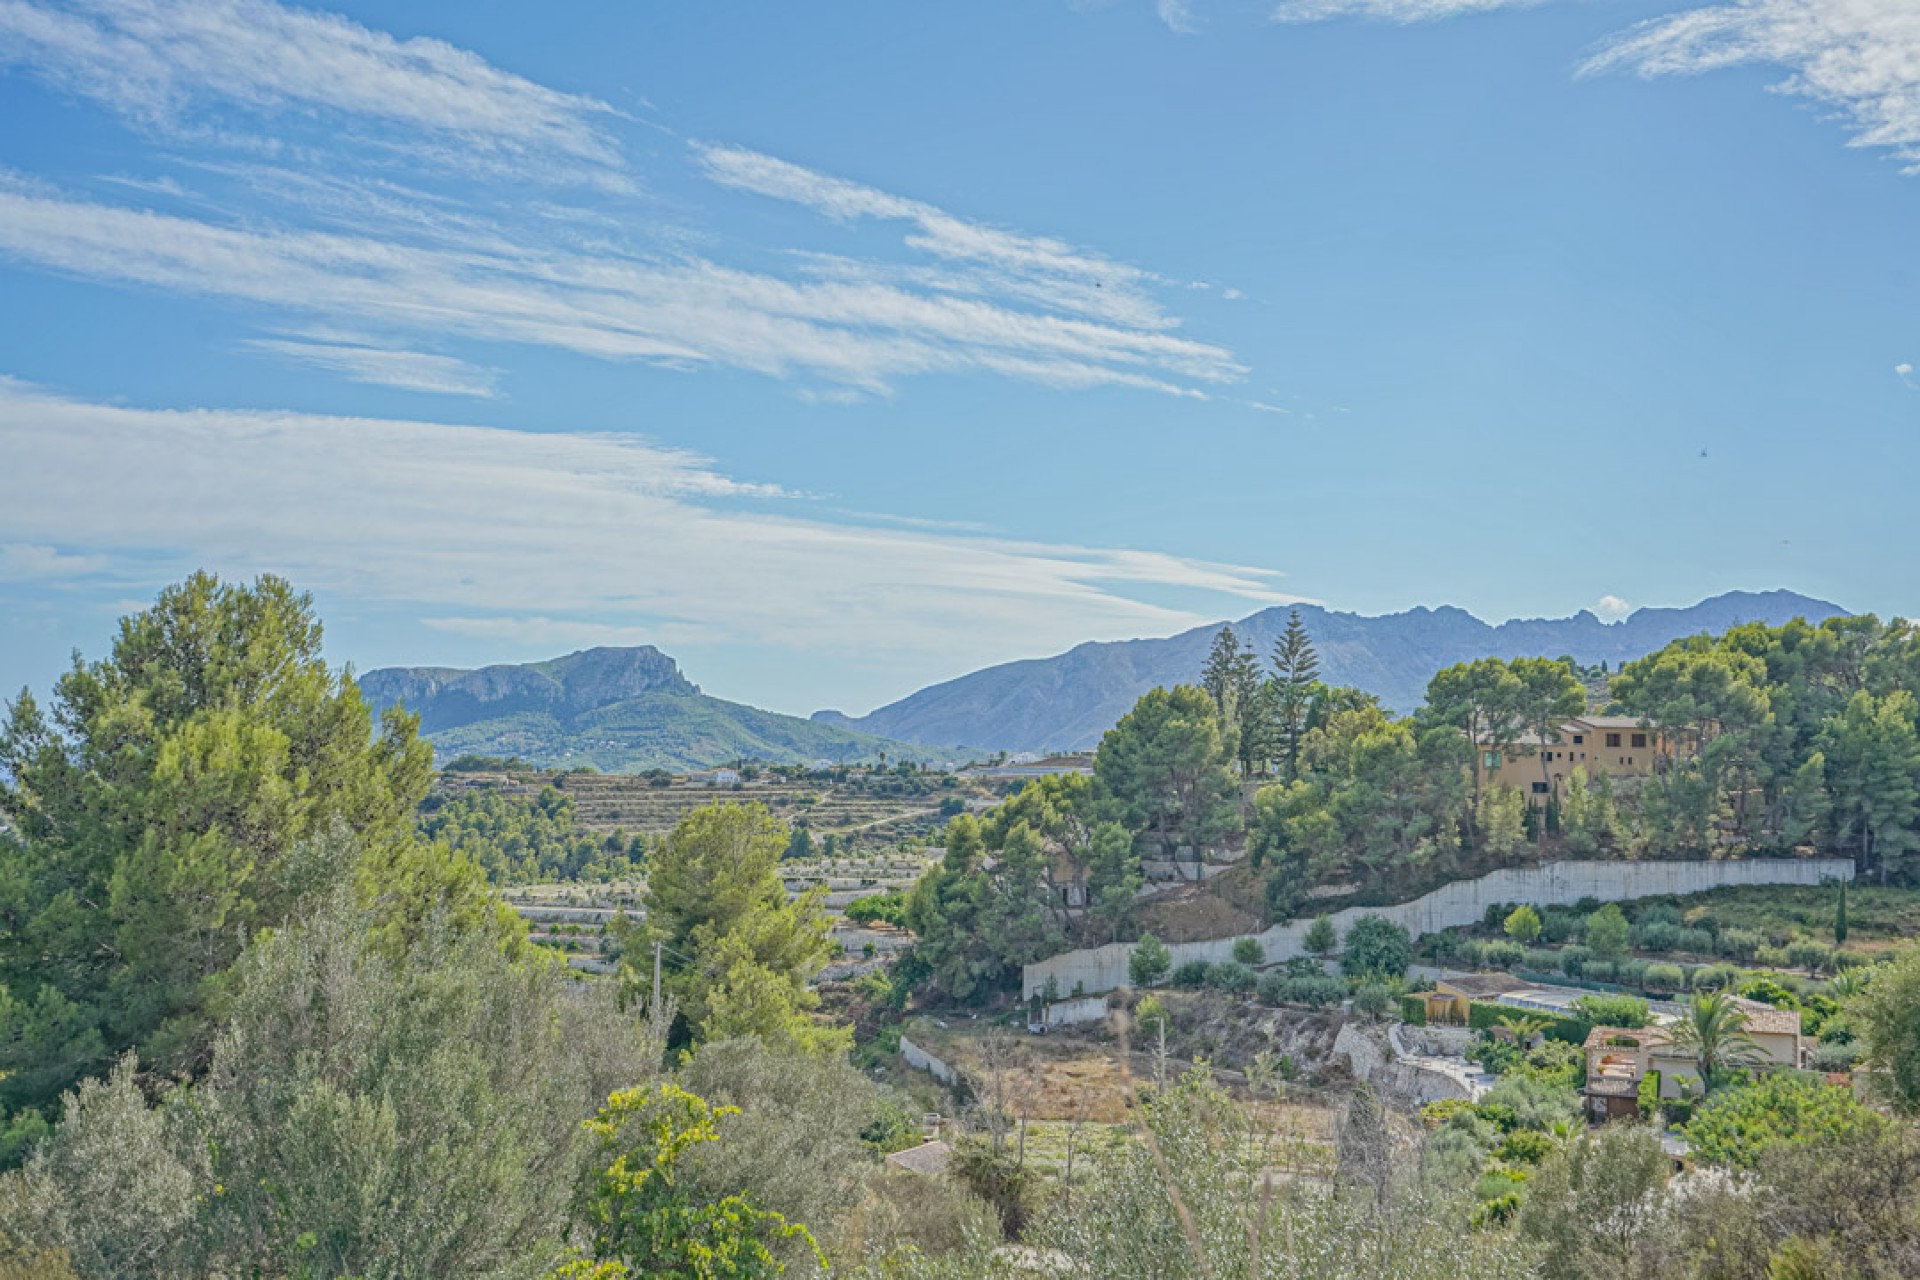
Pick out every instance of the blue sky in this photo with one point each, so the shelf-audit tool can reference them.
(842, 348)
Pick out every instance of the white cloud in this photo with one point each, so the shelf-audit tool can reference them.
(1859, 57)
(685, 311)
(1178, 15)
(479, 527)
(166, 62)
(32, 562)
(1390, 10)
(1037, 268)
(384, 367)
(1612, 608)
(1904, 371)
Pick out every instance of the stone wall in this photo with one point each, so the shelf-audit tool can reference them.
(1462, 902)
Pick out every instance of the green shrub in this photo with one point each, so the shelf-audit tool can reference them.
(1502, 954)
(1316, 993)
(1376, 947)
(1631, 973)
(1541, 961)
(1715, 977)
(1373, 999)
(1233, 977)
(1575, 959)
(1738, 944)
(1664, 977)
(1607, 932)
(1247, 951)
(1612, 1010)
(1305, 967)
(1191, 973)
(1413, 1011)
(1272, 988)
(1772, 958)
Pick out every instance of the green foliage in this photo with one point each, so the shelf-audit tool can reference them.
(366, 1113)
(1887, 1018)
(521, 840)
(1149, 962)
(802, 1135)
(889, 907)
(1608, 933)
(209, 778)
(1164, 766)
(1373, 999)
(1373, 796)
(1193, 1202)
(1296, 673)
(1523, 926)
(1612, 1010)
(1593, 1203)
(1715, 1028)
(1322, 939)
(1482, 1016)
(1191, 973)
(1413, 1011)
(738, 955)
(645, 1220)
(1247, 951)
(1376, 947)
(1232, 977)
(1735, 1126)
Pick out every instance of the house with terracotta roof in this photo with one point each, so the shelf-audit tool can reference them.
(1620, 1058)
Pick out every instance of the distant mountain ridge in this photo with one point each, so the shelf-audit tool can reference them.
(616, 709)
(1064, 703)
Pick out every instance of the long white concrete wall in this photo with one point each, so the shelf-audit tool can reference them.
(1462, 902)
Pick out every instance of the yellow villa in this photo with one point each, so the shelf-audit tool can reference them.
(1616, 746)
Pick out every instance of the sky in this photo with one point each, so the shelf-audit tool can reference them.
(838, 349)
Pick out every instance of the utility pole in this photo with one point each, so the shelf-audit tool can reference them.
(656, 979)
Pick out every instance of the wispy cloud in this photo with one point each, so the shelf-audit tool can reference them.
(686, 312)
(1904, 372)
(165, 63)
(1178, 15)
(1612, 608)
(384, 366)
(33, 562)
(1390, 10)
(1039, 268)
(582, 530)
(1858, 57)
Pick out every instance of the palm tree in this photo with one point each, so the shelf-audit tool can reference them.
(1525, 1028)
(1715, 1028)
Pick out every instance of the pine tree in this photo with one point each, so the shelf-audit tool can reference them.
(1840, 918)
(1296, 669)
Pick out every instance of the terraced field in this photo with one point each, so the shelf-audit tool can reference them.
(871, 810)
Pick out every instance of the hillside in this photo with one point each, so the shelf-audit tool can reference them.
(1066, 702)
(618, 710)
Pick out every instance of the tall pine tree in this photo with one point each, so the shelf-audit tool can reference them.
(1296, 669)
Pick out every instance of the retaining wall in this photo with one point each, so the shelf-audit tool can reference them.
(918, 1057)
(1462, 902)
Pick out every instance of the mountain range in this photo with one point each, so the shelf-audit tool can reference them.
(620, 710)
(1064, 703)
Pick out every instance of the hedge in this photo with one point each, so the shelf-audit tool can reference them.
(1413, 1011)
(1482, 1017)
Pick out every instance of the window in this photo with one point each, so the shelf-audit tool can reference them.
(1613, 739)
(1539, 788)
(1579, 739)
(1493, 759)
(1639, 739)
